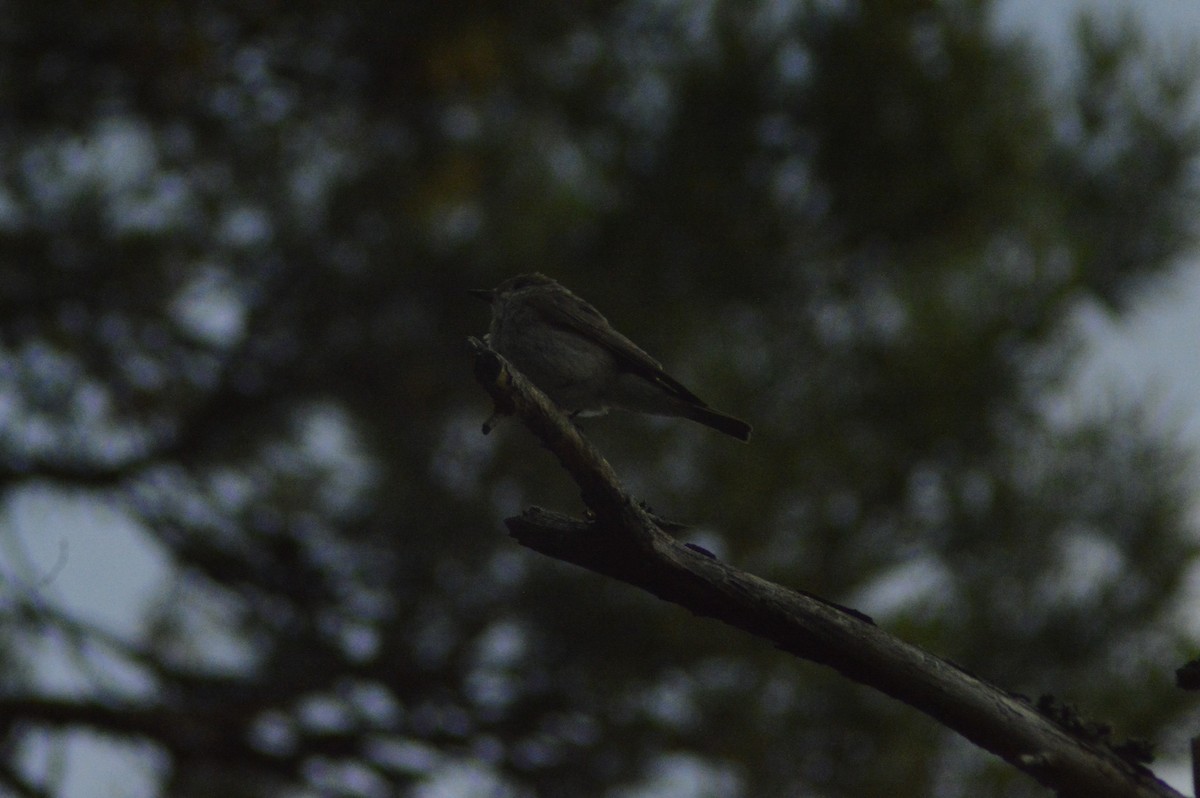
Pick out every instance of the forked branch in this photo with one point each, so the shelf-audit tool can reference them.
(624, 542)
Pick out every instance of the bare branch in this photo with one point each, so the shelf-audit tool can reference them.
(623, 542)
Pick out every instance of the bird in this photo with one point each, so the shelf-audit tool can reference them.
(570, 351)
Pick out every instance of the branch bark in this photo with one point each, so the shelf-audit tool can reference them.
(1048, 742)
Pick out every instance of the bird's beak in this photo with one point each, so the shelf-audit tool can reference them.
(486, 294)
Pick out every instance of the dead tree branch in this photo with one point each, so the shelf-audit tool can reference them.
(1048, 742)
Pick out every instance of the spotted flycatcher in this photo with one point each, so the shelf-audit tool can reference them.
(573, 354)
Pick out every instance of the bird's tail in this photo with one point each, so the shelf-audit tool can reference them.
(719, 421)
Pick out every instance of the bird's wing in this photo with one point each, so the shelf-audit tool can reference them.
(582, 318)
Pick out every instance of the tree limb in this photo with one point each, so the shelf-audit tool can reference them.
(1048, 742)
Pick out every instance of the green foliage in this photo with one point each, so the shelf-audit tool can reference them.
(241, 234)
